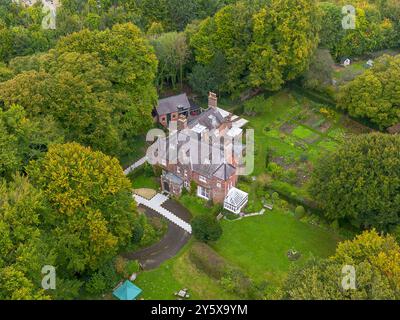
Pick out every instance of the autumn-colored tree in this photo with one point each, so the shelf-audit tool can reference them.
(376, 262)
(375, 94)
(360, 181)
(92, 211)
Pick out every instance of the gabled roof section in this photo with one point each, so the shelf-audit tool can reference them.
(211, 119)
(224, 172)
(173, 104)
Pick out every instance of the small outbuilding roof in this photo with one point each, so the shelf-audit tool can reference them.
(127, 291)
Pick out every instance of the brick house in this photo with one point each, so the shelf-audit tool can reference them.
(171, 108)
(213, 166)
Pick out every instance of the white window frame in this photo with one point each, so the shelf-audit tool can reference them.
(203, 193)
(202, 179)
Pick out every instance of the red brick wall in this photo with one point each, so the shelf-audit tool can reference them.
(218, 194)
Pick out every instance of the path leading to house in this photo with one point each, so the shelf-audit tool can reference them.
(155, 204)
(173, 241)
(137, 164)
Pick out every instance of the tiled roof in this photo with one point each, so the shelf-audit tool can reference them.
(211, 119)
(171, 104)
(224, 172)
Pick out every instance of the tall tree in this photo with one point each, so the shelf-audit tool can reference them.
(172, 52)
(99, 86)
(23, 139)
(360, 182)
(375, 94)
(264, 44)
(376, 262)
(93, 212)
(21, 254)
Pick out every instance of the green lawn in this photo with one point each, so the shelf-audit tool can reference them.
(176, 274)
(259, 244)
(302, 132)
(196, 205)
(143, 181)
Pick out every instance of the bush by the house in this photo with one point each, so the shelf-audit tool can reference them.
(206, 228)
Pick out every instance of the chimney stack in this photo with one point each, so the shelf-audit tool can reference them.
(212, 100)
(182, 122)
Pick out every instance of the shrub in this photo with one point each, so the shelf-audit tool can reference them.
(120, 266)
(207, 260)
(299, 212)
(137, 233)
(149, 235)
(327, 113)
(97, 284)
(217, 209)
(206, 228)
(275, 196)
(132, 267)
(335, 225)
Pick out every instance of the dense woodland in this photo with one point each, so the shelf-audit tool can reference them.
(73, 99)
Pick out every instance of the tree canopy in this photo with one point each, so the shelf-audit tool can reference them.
(23, 139)
(360, 182)
(376, 260)
(375, 27)
(98, 85)
(92, 212)
(375, 94)
(263, 44)
(21, 255)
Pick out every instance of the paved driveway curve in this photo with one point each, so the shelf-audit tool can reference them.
(169, 246)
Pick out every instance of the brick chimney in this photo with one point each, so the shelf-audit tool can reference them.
(212, 100)
(182, 122)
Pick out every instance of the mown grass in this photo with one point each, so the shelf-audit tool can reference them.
(259, 245)
(176, 274)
